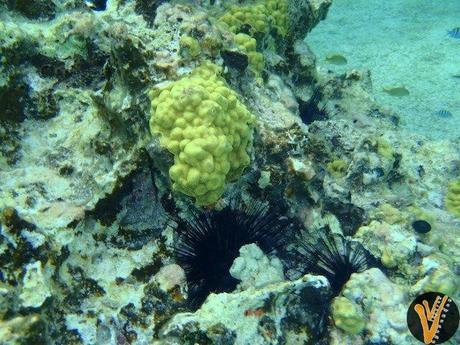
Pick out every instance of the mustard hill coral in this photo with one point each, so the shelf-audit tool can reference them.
(248, 21)
(254, 16)
(259, 17)
(248, 45)
(452, 200)
(207, 129)
(347, 316)
(190, 45)
(278, 12)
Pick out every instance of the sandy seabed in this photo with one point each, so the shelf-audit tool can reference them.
(402, 42)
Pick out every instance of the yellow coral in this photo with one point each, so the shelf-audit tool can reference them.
(347, 315)
(190, 46)
(258, 17)
(246, 21)
(337, 168)
(278, 12)
(452, 200)
(254, 16)
(389, 214)
(248, 45)
(384, 148)
(209, 131)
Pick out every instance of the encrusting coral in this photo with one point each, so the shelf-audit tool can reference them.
(347, 316)
(452, 199)
(209, 131)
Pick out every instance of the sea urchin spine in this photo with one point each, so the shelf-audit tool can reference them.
(336, 258)
(209, 241)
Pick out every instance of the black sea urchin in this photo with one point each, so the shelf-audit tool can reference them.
(209, 242)
(336, 258)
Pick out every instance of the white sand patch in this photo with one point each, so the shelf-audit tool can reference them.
(403, 42)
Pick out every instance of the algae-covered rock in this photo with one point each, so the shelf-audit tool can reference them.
(391, 243)
(250, 312)
(436, 275)
(337, 168)
(34, 9)
(444, 281)
(378, 308)
(23, 328)
(35, 289)
(255, 269)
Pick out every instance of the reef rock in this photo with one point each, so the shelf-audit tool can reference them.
(277, 311)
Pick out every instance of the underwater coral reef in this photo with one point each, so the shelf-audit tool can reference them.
(182, 172)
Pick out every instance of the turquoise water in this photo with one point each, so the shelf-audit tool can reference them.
(402, 42)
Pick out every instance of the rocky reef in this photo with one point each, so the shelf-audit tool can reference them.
(91, 198)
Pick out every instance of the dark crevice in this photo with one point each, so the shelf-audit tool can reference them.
(312, 110)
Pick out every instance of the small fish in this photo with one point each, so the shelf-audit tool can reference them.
(443, 113)
(336, 59)
(454, 33)
(398, 91)
(97, 5)
(456, 76)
